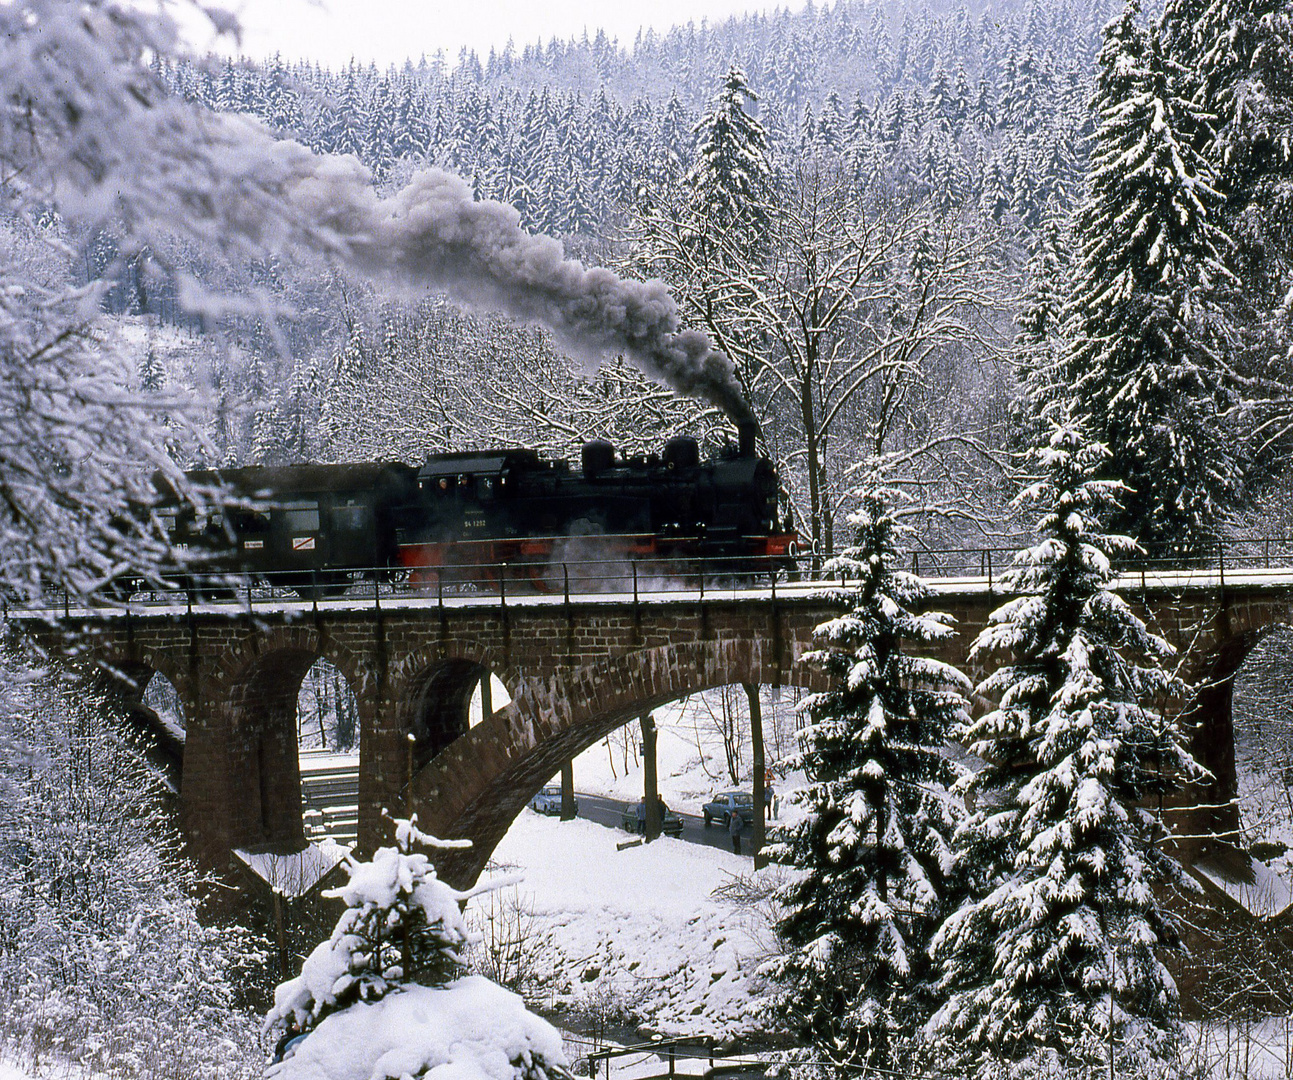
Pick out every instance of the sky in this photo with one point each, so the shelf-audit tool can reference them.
(391, 31)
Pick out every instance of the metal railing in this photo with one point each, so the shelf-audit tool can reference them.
(624, 577)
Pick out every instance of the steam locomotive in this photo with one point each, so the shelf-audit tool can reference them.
(486, 516)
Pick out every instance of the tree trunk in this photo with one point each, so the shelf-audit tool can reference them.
(650, 793)
(760, 777)
(567, 790)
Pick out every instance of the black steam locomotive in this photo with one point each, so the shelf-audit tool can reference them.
(488, 516)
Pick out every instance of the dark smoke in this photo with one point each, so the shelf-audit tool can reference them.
(432, 235)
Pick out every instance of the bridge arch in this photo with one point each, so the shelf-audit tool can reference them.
(433, 694)
(1207, 717)
(264, 676)
(1262, 719)
(479, 784)
(125, 680)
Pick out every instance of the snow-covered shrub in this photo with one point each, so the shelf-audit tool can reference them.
(386, 995)
(103, 960)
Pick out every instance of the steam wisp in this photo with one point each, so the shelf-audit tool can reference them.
(433, 235)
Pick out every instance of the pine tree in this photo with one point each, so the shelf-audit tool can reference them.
(387, 995)
(995, 200)
(874, 848)
(1059, 856)
(1148, 357)
(1235, 61)
(732, 173)
(1039, 347)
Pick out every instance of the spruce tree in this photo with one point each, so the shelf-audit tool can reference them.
(1039, 346)
(874, 846)
(1234, 59)
(387, 993)
(1148, 357)
(1057, 947)
(731, 178)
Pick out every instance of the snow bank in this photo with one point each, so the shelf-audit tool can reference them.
(470, 1029)
(639, 931)
(295, 874)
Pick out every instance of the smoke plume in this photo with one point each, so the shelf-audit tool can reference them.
(432, 235)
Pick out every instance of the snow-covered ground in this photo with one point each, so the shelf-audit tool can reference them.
(639, 933)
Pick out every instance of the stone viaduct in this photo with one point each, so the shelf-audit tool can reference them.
(575, 669)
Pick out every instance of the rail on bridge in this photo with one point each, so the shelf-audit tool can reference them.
(582, 648)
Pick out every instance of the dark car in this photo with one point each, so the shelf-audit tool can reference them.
(548, 800)
(634, 819)
(726, 803)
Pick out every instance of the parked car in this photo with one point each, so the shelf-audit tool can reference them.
(548, 800)
(726, 803)
(633, 818)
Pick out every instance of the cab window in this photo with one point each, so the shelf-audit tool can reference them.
(350, 518)
(301, 517)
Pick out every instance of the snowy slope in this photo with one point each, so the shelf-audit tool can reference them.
(638, 932)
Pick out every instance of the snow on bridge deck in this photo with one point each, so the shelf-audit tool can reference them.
(362, 597)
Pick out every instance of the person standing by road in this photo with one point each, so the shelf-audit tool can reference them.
(734, 825)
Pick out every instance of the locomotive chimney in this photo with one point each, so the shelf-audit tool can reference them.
(747, 431)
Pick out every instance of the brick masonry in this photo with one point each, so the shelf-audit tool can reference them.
(575, 673)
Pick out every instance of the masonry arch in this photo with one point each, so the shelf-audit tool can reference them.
(327, 709)
(441, 697)
(476, 787)
(158, 718)
(263, 765)
(1207, 720)
(1262, 721)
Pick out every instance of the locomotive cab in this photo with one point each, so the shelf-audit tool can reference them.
(309, 527)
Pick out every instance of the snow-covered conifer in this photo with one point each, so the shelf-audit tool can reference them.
(1147, 358)
(386, 995)
(873, 849)
(1235, 61)
(1062, 932)
(1039, 346)
(732, 172)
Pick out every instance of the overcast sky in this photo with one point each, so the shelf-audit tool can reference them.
(391, 31)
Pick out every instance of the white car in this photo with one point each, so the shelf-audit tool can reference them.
(548, 800)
